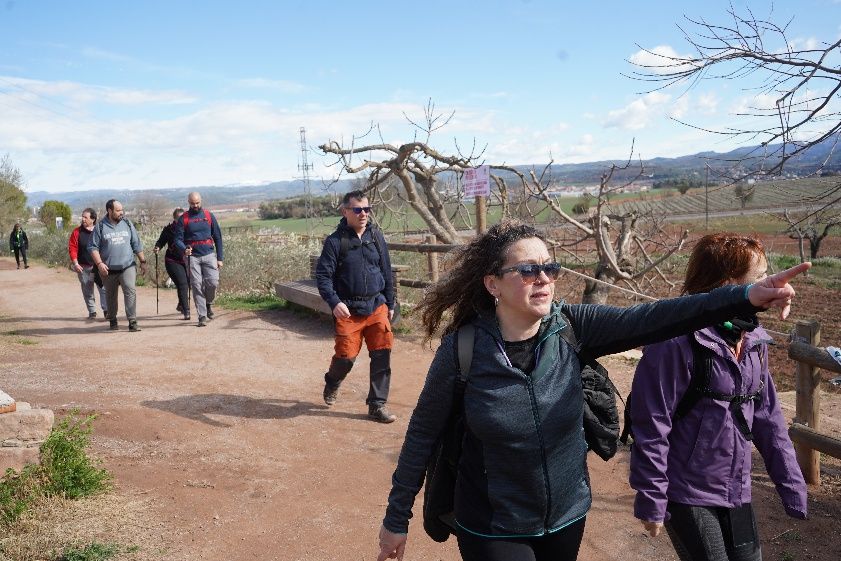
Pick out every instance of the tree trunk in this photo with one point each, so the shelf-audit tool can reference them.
(596, 292)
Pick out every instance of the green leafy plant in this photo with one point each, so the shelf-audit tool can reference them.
(18, 490)
(67, 468)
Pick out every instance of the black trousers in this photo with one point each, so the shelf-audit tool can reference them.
(20, 252)
(178, 273)
(562, 545)
(706, 533)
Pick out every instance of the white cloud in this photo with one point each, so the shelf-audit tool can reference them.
(285, 86)
(37, 91)
(662, 59)
(639, 113)
(707, 103)
(806, 44)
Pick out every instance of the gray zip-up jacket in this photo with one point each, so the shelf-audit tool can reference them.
(523, 469)
(116, 243)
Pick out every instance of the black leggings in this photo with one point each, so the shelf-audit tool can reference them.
(178, 273)
(562, 545)
(708, 533)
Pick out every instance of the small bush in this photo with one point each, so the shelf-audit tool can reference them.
(18, 491)
(65, 471)
(67, 468)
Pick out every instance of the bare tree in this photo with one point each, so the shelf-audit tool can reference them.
(804, 82)
(813, 226)
(624, 241)
(416, 165)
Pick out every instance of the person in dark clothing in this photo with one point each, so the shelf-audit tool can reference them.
(175, 262)
(82, 263)
(354, 278)
(197, 234)
(692, 472)
(19, 243)
(523, 491)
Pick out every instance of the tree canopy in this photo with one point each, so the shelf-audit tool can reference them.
(12, 197)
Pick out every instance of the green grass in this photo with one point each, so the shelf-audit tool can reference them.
(251, 302)
(16, 338)
(92, 552)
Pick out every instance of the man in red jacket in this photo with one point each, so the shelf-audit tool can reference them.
(82, 263)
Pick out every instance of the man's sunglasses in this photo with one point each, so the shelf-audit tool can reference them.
(530, 272)
(359, 209)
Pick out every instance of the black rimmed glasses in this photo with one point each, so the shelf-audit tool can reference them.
(529, 272)
(359, 209)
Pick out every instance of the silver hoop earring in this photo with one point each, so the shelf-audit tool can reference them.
(496, 301)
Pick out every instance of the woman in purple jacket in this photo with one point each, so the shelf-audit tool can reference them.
(692, 471)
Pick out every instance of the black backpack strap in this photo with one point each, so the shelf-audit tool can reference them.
(465, 340)
(699, 377)
(699, 386)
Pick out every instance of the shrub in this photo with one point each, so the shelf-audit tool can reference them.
(68, 471)
(65, 471)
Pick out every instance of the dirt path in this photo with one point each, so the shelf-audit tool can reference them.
(222, 432)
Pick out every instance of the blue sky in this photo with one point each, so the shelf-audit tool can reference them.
(155, 94)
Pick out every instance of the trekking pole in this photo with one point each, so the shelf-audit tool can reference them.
(157, 286)
(189, 282)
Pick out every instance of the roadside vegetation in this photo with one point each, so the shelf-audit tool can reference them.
(39, 504)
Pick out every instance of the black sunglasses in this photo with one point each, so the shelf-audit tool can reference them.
(530, 272)
(359, 209)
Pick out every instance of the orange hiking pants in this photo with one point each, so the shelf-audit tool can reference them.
(375, 329)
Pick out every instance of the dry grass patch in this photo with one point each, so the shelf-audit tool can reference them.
(56, 525)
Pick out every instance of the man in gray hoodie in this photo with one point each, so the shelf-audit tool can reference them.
(112, 246)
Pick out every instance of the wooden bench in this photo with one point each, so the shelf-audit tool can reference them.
(305, 292)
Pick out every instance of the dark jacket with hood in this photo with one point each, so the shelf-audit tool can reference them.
(523, 468)
(362, 278)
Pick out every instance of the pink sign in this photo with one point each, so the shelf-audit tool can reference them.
(477, 182)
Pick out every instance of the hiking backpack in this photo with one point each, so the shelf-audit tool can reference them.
(699, 387)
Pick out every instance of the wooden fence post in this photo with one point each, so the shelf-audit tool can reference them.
(808, 388)
(432, 258)
(481, 215)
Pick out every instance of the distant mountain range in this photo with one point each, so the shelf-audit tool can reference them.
(655, 169)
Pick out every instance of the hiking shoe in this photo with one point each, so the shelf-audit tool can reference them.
(210, 314)
(380, 414)
(331, 393)
(202, 321)
(132, 326)
(26, 266)
(92, 315)
(113, 325)
(186, 316)
(178, 308)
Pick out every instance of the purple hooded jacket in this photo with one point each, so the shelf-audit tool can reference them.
(703, 459)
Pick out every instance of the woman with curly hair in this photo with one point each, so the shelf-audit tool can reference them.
(523, 490)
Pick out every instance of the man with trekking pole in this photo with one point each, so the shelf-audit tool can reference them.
(198, 235)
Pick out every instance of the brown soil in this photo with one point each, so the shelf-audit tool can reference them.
(222, 434)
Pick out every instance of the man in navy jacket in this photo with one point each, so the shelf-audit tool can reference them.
(354, 278)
